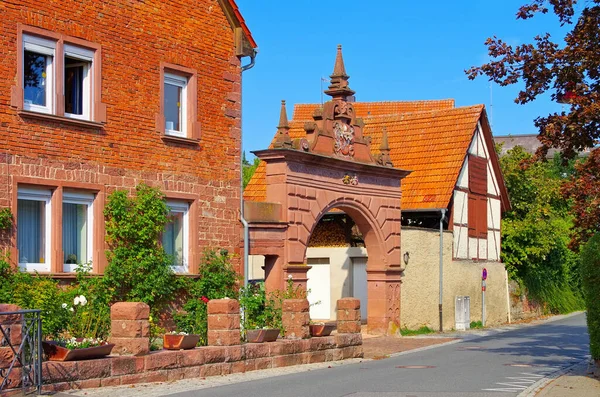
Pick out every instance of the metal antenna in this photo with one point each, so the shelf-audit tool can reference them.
(322, 80)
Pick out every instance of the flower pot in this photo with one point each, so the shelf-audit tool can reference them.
(178, 342)
(59, 353)
(262, 335)
(321, 329)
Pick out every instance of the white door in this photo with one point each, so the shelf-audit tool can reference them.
(359, 284)
(318, 284)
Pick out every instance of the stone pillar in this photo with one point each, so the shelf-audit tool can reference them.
(348, 316)
(130, 328)
(296, 318)
(224, 322)
(11, 324)
(298, 274)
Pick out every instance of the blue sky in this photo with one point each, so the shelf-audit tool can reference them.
(393, 50)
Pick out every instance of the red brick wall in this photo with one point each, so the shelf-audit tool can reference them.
(135, 37)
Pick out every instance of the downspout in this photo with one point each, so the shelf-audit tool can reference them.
(443, 212)
(244, 222)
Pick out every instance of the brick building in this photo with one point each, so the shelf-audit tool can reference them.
(98, 96)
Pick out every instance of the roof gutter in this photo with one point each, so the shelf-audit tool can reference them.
(242, 219)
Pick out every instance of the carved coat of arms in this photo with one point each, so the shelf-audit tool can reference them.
(344, 139)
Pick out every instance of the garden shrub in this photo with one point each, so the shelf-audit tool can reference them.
(138, 267)
(30, 291)
(590, 277)
(261, 310)
(217, 280)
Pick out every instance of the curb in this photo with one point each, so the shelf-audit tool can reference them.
(420, 349)
(466, 335)
(532, 390)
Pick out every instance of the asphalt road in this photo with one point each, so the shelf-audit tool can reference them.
(503, 364)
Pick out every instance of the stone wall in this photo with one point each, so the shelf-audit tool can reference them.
(225, 356)
(420, 283)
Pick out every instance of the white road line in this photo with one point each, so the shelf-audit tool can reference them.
(512, 384)
(504, 390)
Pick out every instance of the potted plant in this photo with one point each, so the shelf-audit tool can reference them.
(180, 340)
(262, 335)
(81, 339)
(321, 329)
(262, 314)
(76, 349)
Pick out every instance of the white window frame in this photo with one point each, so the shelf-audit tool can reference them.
(182, 82)
(86, 56)
(84, 199)
(45, 196)
(182, 207)
(45, 47)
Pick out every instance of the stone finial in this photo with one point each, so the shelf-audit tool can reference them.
(283, 120)
(339, 69)
(283, 139)
(384, 156)
(338, 88)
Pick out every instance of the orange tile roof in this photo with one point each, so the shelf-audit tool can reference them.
(433, 144)
(304, 111)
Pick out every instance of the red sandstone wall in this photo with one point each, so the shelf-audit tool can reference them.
(135, 37)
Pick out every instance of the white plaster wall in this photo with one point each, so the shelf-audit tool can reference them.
(493, 213)
(255, 270)
(420, 283)
(340, 262)
(461, 215)
(493, 245)
(463, 177)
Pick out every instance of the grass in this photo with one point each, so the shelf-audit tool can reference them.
(476, 325)
(421, 331)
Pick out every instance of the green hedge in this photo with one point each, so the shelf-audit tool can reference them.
(590, 275)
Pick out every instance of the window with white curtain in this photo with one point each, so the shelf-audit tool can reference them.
(175, 104)
(33, 229)
(77, 230)
(176, 235)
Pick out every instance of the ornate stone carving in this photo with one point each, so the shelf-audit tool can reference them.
(344, 139)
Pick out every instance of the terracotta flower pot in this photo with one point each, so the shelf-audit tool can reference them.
(262, 335)
(59, 353)
(178, 342)
(321, 329)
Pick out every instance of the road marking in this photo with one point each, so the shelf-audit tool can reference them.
(517, 383)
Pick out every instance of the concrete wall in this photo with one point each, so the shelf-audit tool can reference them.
(420, 284)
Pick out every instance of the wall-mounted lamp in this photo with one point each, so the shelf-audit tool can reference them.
(406, 257)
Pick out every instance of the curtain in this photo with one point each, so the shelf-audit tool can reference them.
(30, 231)
(75, 233)
(172, 239)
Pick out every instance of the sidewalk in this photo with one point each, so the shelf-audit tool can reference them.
(578, 381)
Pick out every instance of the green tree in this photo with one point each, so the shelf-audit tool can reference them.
(569, 70)
(249, 169)
(537, 230)
(138, 267)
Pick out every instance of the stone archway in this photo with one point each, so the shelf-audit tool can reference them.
(331, 166)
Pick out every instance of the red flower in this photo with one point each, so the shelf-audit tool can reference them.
(205, 299)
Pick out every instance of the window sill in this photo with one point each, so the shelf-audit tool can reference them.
(178, 139)
(60, 119)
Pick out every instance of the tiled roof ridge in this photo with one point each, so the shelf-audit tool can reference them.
(415, 115)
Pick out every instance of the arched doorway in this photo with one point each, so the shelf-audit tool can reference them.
(330, 166)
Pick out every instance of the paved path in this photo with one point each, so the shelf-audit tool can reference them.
(501, 364)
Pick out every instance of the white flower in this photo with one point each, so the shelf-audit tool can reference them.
(82, 300)
(289, 276)
(71, 309)
(64, 305)
(76, 301)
